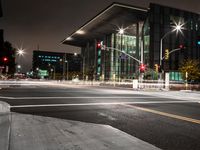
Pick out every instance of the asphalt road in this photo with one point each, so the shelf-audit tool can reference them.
(167, 123)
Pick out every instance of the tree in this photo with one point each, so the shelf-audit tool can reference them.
(190, 67)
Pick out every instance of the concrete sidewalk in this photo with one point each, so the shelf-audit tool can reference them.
(4, 125)
(29, 132)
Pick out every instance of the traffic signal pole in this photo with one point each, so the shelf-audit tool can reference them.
(104, 47)
(174, 50)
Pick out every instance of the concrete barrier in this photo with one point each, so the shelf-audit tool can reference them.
(5, 123)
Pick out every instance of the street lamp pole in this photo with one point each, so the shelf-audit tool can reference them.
(161, 45)
(18, 68)
(64, 66)
(67, 69)
(83, 67)
(20, 53)
(177, 28)
(54, 72)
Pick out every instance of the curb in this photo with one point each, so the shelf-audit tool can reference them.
(4, 107)
(5, 125)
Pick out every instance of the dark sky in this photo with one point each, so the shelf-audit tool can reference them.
(29, 23)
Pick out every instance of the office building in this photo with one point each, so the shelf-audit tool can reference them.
(55, 65)
(133, 36)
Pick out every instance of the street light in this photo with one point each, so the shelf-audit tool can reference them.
(54, 72)
(20, 52)
(67, 68)
(53, 69)
(121, 31)
(178, 28)
(18, 68)
(64, 67)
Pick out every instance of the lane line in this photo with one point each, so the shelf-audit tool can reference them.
(196, 121)
(4, 97)
(91, 97)
(76, 97)
(96, 104)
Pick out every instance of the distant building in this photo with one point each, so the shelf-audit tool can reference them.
(54, 65)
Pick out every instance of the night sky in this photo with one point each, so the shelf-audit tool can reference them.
(29, 23)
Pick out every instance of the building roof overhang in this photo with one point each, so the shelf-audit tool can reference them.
(108, 21)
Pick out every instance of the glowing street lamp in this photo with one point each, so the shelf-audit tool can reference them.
(178, 28)
(121, 31)
(18, 68)
(20, 52)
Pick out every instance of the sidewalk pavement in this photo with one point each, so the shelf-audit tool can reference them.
(4, 125)
(29, 132)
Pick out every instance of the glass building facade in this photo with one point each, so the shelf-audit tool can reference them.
(114, 62)
(161, 19)
(141, 40)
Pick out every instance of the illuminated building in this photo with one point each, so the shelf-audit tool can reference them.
(143, 29)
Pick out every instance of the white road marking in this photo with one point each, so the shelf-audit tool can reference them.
(98, 104)
(77, 97)
(4, 97)
(183, 118)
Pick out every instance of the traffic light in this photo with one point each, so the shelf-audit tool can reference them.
(166, 54)
(156, 67)
(181, 46)
(5, 59)
(142, 67)
(98, 45)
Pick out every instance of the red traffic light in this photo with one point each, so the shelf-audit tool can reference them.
(5, 59)
(181, 46)
(98, 45)
(142, 67)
